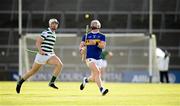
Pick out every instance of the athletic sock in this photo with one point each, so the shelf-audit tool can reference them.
(52, 79)
(85, 80)
(101, 88)
(21, 81)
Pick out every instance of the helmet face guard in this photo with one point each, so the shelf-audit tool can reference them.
(93, 28)
(95, 24)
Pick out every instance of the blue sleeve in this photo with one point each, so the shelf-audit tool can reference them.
(83, 38)
(103, 38)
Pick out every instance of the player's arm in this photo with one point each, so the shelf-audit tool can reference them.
(82, 44)
(82, 47)
(102, 43)
(39, 41)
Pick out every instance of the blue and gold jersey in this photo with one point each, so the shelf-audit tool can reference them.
(93, 51)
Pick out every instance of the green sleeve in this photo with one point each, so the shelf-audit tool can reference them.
(104, 55)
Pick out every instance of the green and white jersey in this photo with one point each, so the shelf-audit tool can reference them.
(104, 55)
(49, 39)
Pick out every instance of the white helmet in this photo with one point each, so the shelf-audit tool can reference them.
(53, 20)
(95, 24)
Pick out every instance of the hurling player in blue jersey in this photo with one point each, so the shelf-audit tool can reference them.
(94, 42)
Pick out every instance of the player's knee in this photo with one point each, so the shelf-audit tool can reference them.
(59, 64)
(97, 75)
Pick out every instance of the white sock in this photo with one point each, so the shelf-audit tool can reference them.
(102, 89)
(84, 81)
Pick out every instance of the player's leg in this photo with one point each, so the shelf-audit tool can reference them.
(32, 71)
(54, 60)
(161, 76)
(166, 76)
(91, 77)
(105, 70)
(102, 70)
(86, 80)
(29, 73)
(97, 77)
(96, 74)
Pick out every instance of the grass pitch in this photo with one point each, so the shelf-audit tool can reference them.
(121, 94)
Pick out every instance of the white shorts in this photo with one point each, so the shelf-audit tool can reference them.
(103, 63)
(97, 62)
(42, 59)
